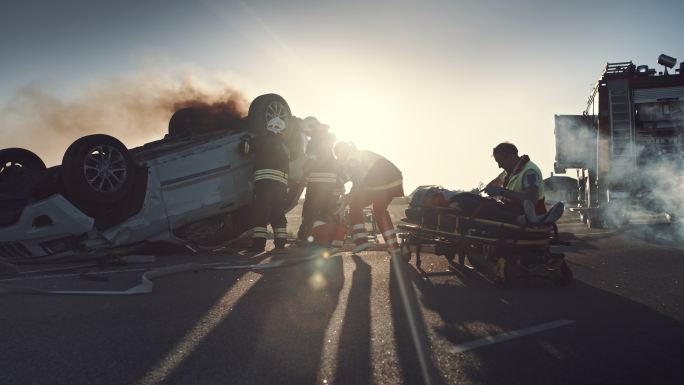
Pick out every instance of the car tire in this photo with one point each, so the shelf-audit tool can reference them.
(18, 161)
(97, 169)
(200, 120)
(266, 107)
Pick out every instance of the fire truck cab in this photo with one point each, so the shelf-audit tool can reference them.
(627, 146)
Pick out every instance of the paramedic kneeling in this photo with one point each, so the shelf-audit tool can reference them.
(520, 187)
(520, 181)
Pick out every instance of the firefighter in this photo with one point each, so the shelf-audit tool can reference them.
(323, 182)
(271, 166)
(376, 181)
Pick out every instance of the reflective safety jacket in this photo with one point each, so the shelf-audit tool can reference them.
(271, 158)
(372, 172)
(324, 170)
(514, 180)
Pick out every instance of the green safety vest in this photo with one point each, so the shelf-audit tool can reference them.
(515, 182)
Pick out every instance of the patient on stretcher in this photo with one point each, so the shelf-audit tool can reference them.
(475, 206)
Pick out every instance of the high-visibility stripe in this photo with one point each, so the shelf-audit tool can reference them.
(360, 226)
(337, 243)
(321, 180)
(361, 247)
(267, 173)
(280, 233)
(386, 186)
(359, 235)
(270, 171)
(255, 229)
(317, 223)
(323, 175)
(389, 233)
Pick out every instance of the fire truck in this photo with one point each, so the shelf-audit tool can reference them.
(627, 146)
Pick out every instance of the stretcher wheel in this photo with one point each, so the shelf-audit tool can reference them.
(405, 250)
(501, 273)
(564, 275)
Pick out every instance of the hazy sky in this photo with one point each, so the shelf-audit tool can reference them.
(431, 85)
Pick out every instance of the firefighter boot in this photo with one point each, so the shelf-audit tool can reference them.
(389, 234)
(280, 237)
(258, 245)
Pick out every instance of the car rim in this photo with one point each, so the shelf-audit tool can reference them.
(277, 110)
(9, 165)
(105, 169)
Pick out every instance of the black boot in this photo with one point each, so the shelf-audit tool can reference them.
(258, 245)
(279, 243)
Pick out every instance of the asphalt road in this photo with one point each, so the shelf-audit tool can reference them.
(351, 319)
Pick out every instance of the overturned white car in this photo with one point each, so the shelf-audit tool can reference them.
(191, 188)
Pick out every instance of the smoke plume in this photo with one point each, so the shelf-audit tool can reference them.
(135, 109)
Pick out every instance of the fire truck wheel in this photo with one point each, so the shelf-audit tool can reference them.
(595, 222)
(15, 162)
(583, 218)
(97, 169)
(266, 107)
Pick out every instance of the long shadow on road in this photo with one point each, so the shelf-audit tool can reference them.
(274, 334)
(613, 340)
(63, 339)
(353, 355)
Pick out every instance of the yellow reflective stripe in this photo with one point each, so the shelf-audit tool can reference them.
(386, 186)
(323, 175)
(280, 232)
(321, 180)
(268, 173)
(359, 236)
(359, 227)
(389, 233)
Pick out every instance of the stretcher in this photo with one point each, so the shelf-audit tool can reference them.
(503, 251)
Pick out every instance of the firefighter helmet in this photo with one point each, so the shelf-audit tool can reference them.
(276, 125)
(342, 150)
(310, 124)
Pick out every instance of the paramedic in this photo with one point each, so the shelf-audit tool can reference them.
(521, 186)
(376, 181)
(271, 166)
(520, 181)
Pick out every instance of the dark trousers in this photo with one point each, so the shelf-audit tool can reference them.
(320, 203)
(269, 207)
(476, 206)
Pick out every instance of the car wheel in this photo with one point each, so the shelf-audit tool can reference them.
(266, 107)
(98, 169)
(15, 162)
(200, 120)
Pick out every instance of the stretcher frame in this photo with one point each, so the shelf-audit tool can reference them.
(502, 256)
